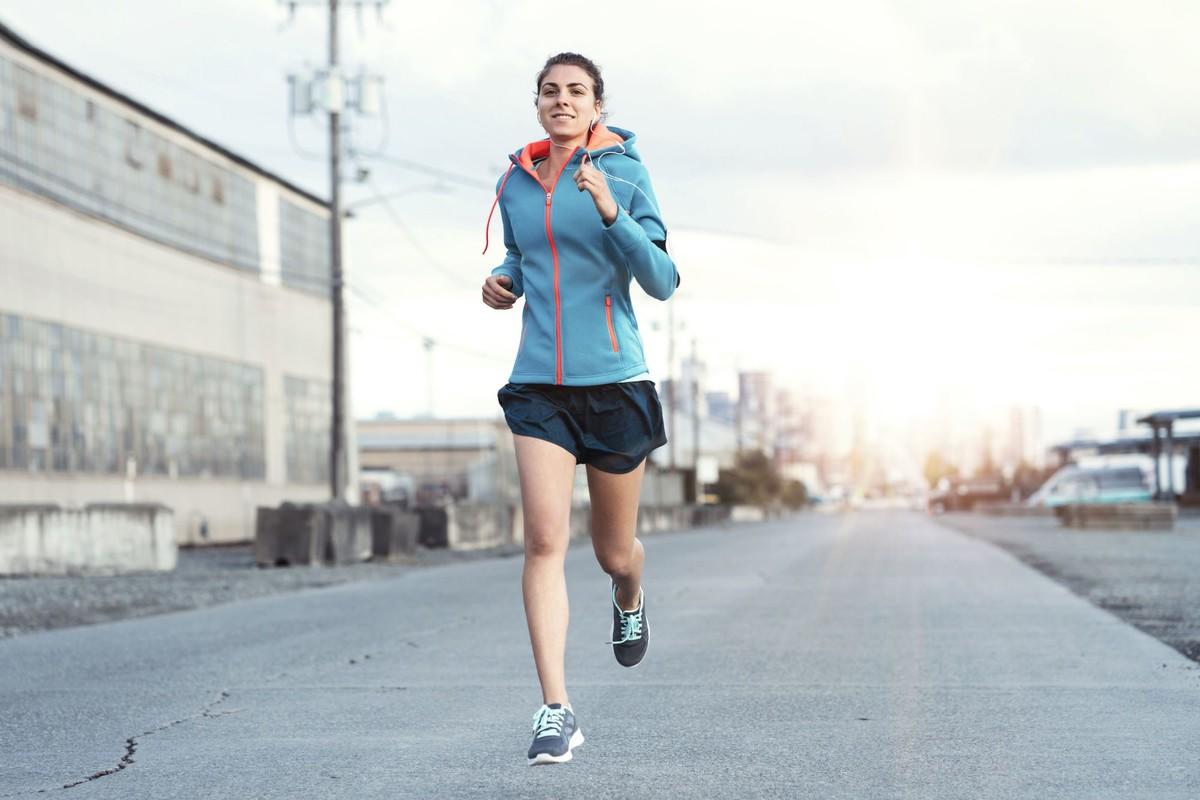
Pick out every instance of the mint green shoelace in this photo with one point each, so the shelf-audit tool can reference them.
(631, 627)
(548, 722)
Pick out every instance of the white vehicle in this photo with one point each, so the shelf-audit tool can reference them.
(1103, 479)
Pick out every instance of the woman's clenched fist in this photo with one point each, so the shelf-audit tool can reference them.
(496, 291)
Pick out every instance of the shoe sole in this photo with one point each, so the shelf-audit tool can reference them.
(546, 758)
(635, 664)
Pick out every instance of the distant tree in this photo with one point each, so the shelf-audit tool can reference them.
(752, 482)
(937, 468)
(987, 465)
(1028, 478)
(794, 494)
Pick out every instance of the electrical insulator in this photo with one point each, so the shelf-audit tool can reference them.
(331, 91)
(300, 95)
(370, 94)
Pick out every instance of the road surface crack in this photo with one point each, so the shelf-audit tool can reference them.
(131, 744)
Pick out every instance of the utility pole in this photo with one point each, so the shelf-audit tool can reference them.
(695, 424)
(337, 439)
(738, 412)
(671, 388)
(328, 90)
(428, 344)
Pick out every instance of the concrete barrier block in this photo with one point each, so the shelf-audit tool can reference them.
(517, 514)
(393, 533)
(1013, 510)
(471, 526)
(581, 522)
(20, 538)
(313, 534)
(132, 533)
(98, 539)
(364, 540)
(1119, 516)
(434, 525)
(348, 533)
(706, 515)
(266, 536)
(747, 514)
(645, 523)
(302, 535)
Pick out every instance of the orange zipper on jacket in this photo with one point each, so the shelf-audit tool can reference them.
(558, 367)
(612, 334)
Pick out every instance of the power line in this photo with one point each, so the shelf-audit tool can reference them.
(399, 322)
(434, 261)
(437, 172)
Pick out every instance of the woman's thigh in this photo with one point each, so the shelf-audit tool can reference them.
(547, 476)
(614, 508)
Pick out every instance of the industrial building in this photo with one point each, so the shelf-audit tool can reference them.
(165, 321)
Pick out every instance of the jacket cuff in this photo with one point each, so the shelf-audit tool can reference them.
(625, 232)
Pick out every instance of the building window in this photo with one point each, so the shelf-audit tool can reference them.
(304, 248)
(76, 401)
(134, 149)
(308, 409)
(58, 140)
(26, 94)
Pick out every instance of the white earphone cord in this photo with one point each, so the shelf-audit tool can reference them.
(596, 163)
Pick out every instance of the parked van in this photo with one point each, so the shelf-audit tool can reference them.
(1124, 479)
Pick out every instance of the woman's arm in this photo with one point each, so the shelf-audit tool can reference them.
(639, 239)
(511, 265)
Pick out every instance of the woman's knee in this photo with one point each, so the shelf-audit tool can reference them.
(543, 542)
(615, 562)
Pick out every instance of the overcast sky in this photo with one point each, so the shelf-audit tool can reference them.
(880, 201)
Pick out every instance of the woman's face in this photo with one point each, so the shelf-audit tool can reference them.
(566, 102)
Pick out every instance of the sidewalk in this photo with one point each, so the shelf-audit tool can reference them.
(871, 655)
(205, 576)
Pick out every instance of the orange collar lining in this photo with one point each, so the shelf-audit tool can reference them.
(600, 138)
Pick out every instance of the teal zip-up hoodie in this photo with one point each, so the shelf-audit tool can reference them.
(577, 325)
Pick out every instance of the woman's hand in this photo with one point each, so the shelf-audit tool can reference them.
(591, 180)
(496, 291)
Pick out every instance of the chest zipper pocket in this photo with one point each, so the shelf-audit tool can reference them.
(612, 334)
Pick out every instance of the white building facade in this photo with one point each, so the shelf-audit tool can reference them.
(165, 322)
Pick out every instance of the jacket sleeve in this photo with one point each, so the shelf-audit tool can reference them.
(638, 238)
(512, 259)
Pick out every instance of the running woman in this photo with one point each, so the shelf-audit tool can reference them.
(581, 223)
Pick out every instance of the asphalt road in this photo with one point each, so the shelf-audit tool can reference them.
(870, 655)
(1150, 579)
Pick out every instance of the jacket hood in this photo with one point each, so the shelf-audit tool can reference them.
(602, 140)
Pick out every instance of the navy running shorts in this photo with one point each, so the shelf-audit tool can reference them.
(613, 426)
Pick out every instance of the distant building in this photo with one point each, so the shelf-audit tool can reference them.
(755, 412)
(164, 313)
(470, 460)
(1025, 443)
(721, 407)
(447, 459)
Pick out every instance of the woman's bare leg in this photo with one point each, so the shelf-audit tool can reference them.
(547, 475)
(614, 530)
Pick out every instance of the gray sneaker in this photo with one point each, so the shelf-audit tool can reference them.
(631, 632)
(555, 735)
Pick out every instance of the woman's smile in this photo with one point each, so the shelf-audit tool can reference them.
(567, 103)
